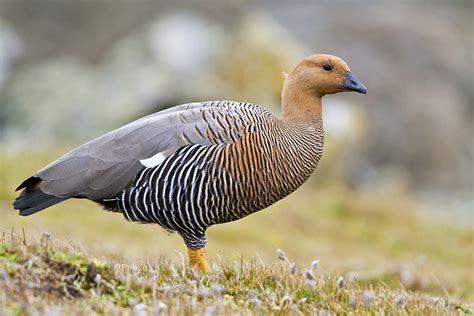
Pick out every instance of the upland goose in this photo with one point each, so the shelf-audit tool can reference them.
(195, 165)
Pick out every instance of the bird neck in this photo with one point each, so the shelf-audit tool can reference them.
(299, 104)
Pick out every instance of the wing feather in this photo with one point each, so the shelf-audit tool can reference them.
(102, 167)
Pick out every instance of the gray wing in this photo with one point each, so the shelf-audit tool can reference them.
(103, 167)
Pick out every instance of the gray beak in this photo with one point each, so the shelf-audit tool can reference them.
(353, 84)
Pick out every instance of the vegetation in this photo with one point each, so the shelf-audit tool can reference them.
(40, 277)
(377, 252)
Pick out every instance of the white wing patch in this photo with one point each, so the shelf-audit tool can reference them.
(153, 161)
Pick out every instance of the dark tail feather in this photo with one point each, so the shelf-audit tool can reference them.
(30, 202)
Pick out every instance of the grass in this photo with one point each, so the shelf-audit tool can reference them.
(41, 277)
(401, 259)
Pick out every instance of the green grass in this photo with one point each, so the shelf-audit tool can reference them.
(381, 239)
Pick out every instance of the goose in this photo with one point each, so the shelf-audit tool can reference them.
(199, 164)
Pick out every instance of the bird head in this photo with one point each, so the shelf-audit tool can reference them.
(322, 74)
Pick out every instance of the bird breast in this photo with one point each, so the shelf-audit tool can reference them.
(267, 164)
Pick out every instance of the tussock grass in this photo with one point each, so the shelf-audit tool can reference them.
(46, 277)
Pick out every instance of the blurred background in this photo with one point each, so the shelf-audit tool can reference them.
(73, 70)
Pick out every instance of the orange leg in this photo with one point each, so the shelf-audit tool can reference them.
(197, 258)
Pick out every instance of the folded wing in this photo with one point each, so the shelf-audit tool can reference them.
(103, 167)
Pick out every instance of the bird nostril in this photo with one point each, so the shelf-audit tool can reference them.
(354, 82)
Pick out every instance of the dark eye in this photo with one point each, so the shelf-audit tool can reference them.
(327, 67)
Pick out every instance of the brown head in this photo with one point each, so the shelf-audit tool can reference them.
(314, 77)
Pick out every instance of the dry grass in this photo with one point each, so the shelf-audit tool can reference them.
(401, 258)
(43, 277)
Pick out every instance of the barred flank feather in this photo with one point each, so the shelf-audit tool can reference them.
(200, 186)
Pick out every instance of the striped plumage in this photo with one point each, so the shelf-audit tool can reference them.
(199, 164)
(203, 185)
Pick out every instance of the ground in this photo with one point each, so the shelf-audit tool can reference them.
(47, 278)
(376, 251)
